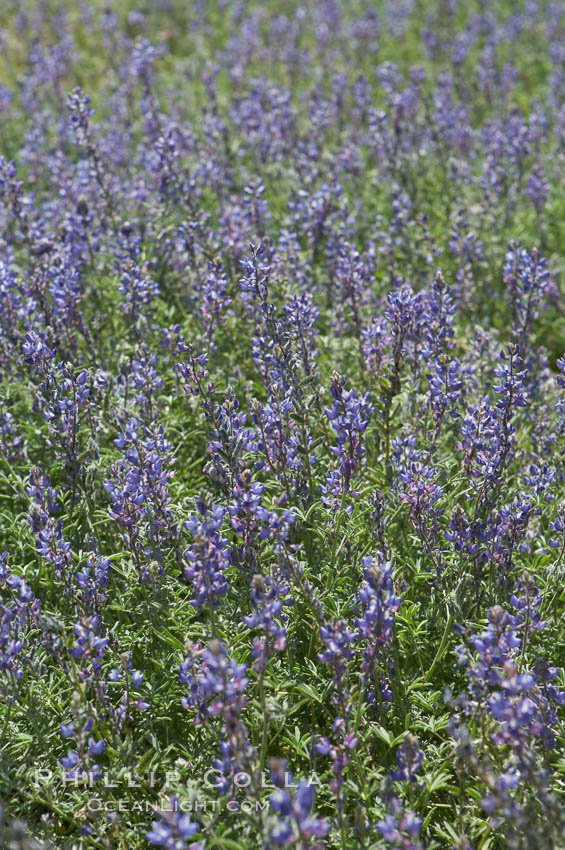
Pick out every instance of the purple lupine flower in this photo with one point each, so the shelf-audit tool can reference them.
(314, 213)
(63, 398)
(461, 533)
(173, 830)
(281, 441)
(79, 762)
(251, 520)
(338, 639)
(376, 344)
(527, 601)
(439, 318)
(80, 113)
(137, 287)
(140, 380)
(445, 387)
(379, 605)
(268, 599)
(296, 821)
(510, 388)
(302, 314)
(50, 540)
(96, 747)
(11, 440)
(88, 646)
(228, 435)
(510, 385)
(170, 181)
(20, 613)
(138, 290)
(537, 188)
(217, 686)
(78, 105)
(480, 440)
(131, 698)
(208, 556)
(230, 438)
(273, 356)
(94, 578)
(214, 303)
(401, 316)
(540, 478)
(138, 488)
(339, 750)
(349, 417)
(258, 208)
(37, 352)
(421, 493)
(488, 432)
(255, 282)
(409, 759)
(401, 829)
(352, 276)
(65, 290)
(222, 681)
(528, 282)
(519, 707)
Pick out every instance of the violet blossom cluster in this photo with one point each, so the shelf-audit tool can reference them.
(349, 417)
(519, 706)
(140, 495)
(209, 555)
(297, 825)
(217, 686)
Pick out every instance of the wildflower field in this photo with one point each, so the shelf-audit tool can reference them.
(282, 424)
